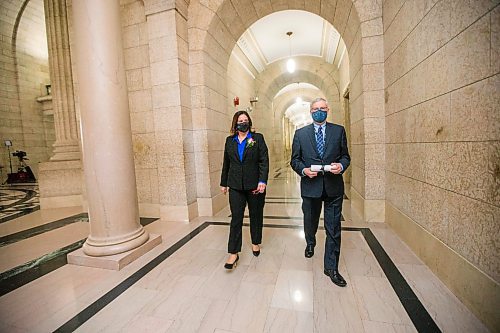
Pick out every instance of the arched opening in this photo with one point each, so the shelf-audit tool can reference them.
(29, 124)
(213, 34)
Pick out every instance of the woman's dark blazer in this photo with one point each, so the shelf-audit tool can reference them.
(246, 174)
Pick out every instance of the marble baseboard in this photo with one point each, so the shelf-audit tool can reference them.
(357, 206)
(375, 210)
(114, 262)
(211, 206)
(179, 213)
(475, 289)
(364, 210)
(62, 201)
(149, 210)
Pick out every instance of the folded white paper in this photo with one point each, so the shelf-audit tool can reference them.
(316, 167)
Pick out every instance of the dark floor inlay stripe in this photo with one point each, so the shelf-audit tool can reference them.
(32, 270)
(23, 211)
(416, 311)
(83, 217)
(15, 237)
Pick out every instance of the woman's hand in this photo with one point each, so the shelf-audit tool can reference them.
(261, 188)
(224, 189)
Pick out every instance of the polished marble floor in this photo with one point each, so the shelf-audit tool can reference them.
(181, 285)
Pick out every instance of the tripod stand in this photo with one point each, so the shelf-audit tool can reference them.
(24, 173)
(8, 143)
(10, 159)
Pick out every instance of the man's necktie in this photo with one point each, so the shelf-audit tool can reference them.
(320, 143)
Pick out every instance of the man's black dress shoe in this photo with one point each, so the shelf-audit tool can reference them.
(336, 277)
(309, 251)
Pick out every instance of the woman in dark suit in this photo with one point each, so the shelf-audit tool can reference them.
(244, 175)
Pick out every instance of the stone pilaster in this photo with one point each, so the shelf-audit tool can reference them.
(66, 160)
(66, 146)
(171, 104)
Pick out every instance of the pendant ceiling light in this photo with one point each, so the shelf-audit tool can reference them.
(290, 64)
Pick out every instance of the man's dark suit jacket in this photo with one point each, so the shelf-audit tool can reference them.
(246, 174)
(305, 154)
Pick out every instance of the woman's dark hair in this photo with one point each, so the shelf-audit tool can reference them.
(235, 121)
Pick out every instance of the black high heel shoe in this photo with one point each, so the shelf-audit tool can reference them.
(232, 265)
(256, 253)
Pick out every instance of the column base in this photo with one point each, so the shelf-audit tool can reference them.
(61, 184)
(106, 246)
(65, 156)
(66, 152)
(116, 261)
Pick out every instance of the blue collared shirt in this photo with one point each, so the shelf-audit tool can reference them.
(241, 147)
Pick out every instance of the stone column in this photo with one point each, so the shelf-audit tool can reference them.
(106, 132)
(66, 146)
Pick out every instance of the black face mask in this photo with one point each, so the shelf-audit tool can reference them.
(242, 127)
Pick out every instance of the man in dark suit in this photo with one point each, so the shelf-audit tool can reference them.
(322, 145)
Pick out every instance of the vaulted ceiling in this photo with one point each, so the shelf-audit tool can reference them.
(266, 40)
(266, 44)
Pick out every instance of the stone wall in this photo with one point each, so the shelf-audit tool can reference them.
(241, 83)
(138, 72)
(443, 129)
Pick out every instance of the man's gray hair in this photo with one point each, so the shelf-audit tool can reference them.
(318, 99)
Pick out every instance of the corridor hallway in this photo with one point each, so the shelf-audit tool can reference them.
(181, 285)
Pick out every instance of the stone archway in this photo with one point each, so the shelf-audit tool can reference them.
(273, 79)
(25, 73)
(213, 30)
(283, 139)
